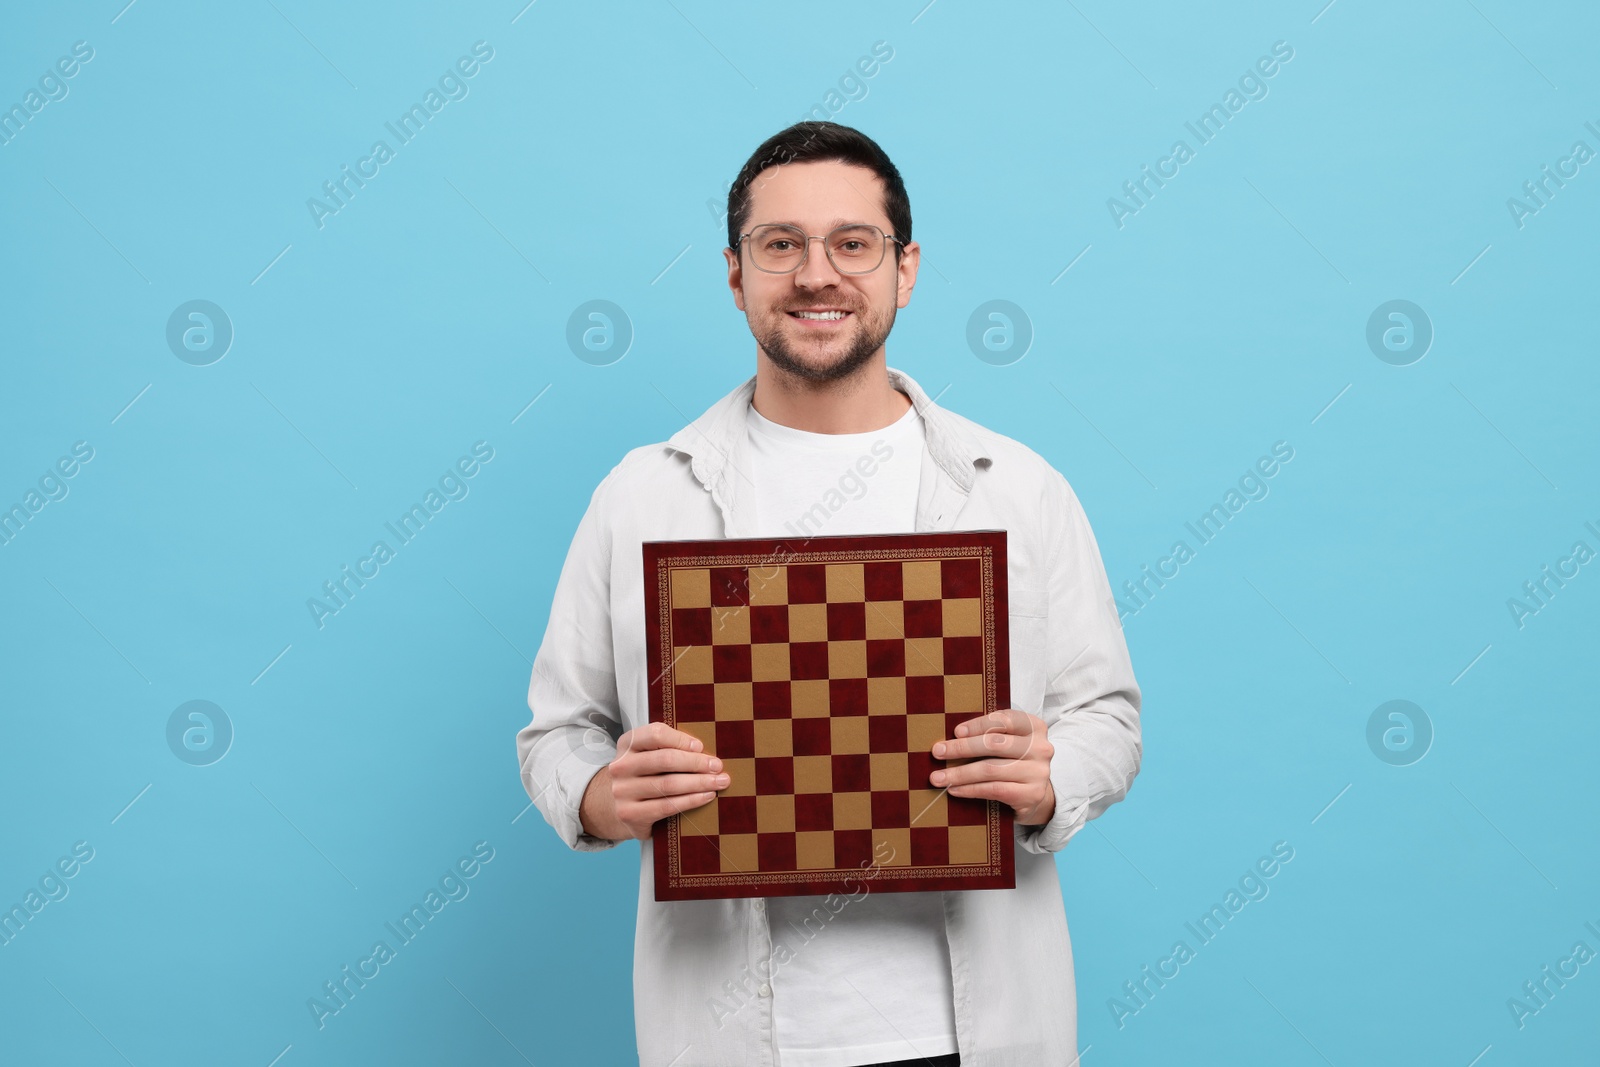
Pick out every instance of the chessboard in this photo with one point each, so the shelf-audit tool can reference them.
(822, 671)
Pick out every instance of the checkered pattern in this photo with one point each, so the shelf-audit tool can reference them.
(823, 687)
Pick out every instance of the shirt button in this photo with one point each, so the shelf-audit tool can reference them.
(766, 989)
(760, 905)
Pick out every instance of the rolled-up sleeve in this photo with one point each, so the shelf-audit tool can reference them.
(1091, 701)
(573, 690)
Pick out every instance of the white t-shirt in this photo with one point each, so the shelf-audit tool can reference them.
(890, 946)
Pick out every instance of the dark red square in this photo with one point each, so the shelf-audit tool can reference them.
(852, 849)
(769, 624)
(925, 695)
(962, 577)
(886, 733)
(808, 583)
(919, 765)
(886, 658)
(775, 852)
(924, 618)
(736, 815)
(736, 739)
(847, 696)
(891, 809)
(730, 586)
(771, 700)
(691, 626)
(952, 719)
(812, 737)
(852, 773)
(813, 811)
(699, 855)
(695, 703)
(883, 581)
(730, 663)
(808, 660)
(774, 775)
(963, 655)
(929, 845)
(847, 622)
(966, 811)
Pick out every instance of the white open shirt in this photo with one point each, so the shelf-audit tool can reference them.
(701, 998)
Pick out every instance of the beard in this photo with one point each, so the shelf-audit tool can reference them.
(801, 361)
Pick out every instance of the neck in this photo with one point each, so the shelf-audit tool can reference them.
(863, 402)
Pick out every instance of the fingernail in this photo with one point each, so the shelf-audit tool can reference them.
(716, 764)
(938, 750)
(937, 777)
(722, 779)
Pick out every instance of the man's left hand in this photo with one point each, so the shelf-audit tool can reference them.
(1010, 753)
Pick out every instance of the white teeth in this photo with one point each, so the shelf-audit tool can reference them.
(826, 316)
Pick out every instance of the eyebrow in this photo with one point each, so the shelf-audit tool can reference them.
(834, 225)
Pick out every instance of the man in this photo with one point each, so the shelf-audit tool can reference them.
(820, 257)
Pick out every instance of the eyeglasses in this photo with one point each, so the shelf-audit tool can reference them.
(854, 248)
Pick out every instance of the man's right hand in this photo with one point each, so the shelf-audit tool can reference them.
(658, 772)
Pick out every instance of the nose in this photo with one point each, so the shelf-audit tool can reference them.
(817, 272)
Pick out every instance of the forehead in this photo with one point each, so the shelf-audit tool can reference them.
(817, 195)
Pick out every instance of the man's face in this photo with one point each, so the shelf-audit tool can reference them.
(818, 197)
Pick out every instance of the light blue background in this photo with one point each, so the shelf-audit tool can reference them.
(371, 353)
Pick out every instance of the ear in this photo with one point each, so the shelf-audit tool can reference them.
(906, 275)
(736, 277)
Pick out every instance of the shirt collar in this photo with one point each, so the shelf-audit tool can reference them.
(712, 438)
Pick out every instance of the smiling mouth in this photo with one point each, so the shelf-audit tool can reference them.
(820, 316)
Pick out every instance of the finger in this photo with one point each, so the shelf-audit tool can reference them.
(654, 811)
(657, 786)
(1005, 720)
(1023, 772)
(664, 761)
(1012, 794)
(657, 735)
(992, 744)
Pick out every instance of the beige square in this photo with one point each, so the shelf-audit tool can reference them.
(735, 700)
(808, 622)
(849, 735)
(730, 625)
(852, 811)
(889, 771)
(813, 849)
(898, 850)
(924, 655)
(885, 618)
(775, 814)
(813, 774)
(769, 585)
(691, 587)
(922, 579)
(774, 737)
(886, 696)
(741, 777)
(769, 663)
(705, 731)
(699, 822)
(692, 665)
(924, 731)
(809, 699)
(969, 844)
(738, 853)
(929, 807)
(847, 583)
(963, 618)
(964, 693)
(847, 659)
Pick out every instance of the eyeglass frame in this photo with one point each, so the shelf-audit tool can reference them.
(806, 254)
